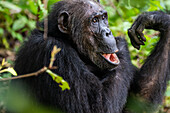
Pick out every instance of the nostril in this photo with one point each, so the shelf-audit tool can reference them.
(107, 34)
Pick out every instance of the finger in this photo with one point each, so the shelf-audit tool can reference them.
(133, 34)
(133, 42)
(139, 31)
(135, 45)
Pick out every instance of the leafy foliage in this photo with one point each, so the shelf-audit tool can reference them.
(18, 18)
(14, 23)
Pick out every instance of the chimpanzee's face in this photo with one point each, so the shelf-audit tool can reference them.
(100, 43)
(88, 27)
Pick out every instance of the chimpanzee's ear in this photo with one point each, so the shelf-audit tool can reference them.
(63, 21)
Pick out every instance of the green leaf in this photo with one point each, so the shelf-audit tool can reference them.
(9, 21)
(1, 9)
(1, 31)
(155, 5)
(43, 12)
(167, 4)
(19, 37)
(10, 70)
(5, 43)
(33, 6)
(62, 83)
(31, 24)
(20, 23)
(11, 6)
(16, 35)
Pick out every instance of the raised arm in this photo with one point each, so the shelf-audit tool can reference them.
(151, 81)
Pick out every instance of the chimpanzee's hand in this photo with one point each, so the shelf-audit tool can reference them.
(150, 20)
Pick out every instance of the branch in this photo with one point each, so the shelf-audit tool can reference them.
(44, 69)
(26, 75)
(45, 21)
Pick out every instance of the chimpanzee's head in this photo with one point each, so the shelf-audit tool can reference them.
(86, 23)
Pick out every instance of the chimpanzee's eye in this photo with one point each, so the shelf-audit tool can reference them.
(95, 20)
(104, 16)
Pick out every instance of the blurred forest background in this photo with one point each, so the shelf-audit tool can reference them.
(19, 17)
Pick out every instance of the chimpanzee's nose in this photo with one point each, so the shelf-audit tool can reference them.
(108, 32)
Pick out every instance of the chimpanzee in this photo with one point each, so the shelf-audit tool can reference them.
(96, 64)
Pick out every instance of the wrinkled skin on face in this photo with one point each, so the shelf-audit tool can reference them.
(89, 31)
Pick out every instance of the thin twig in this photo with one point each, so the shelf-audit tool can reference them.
(26, 75)
(45, 28)
(45, 21)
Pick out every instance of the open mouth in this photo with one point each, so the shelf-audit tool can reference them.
(111, 58)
